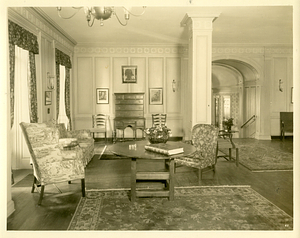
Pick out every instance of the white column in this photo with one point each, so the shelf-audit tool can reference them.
(199, 102)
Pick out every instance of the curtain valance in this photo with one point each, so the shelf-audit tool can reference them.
(22, 38)
(62, 59)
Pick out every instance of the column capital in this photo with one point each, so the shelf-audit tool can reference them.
(196, 21)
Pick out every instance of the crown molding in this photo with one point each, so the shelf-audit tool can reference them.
(251, 49)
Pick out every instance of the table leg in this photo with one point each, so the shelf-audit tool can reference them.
(237, 157)
(133, 179)
(229, 153)
(171, 183)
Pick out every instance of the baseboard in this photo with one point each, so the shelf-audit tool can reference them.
(175, 138)
(279, 137)
(10, 207)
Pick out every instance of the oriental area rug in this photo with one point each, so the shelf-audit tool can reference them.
(262, 157)
(194, 208)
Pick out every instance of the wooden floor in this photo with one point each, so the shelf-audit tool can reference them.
(57, 208)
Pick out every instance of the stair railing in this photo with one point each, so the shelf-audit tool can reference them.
(248, 121)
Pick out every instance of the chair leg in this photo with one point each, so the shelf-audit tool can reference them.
(33, 185)
(199, 175)
(69, 182)
(214, 168)
(41, 194)
(83, 187)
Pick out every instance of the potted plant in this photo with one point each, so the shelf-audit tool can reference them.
(158, 134)
(228, 123)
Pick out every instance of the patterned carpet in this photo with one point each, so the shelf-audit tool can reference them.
(260, 156)
(194, 208)
(256, 155)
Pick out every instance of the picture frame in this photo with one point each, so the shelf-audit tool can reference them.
(102, 95)
(48, 97)
(155, 96)
(129, 74)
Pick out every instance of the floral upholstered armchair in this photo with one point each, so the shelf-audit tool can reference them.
(52, 162)
(204, 138)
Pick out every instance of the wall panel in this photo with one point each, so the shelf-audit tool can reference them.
(118, 86)
(140, 86)
(155, 80)
(85, 90)
(102, 72)
(173, 72)
(280, 73)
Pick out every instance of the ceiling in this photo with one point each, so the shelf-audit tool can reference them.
(161, 25)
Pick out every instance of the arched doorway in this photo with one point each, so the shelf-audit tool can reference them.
(234, 95)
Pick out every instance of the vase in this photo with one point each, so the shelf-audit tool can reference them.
(159, 137)
(228, 128)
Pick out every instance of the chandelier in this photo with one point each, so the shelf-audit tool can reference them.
(101, 14)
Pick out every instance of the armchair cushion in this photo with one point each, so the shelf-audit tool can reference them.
(83, 137)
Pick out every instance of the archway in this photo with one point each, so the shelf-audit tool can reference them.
(234, 95)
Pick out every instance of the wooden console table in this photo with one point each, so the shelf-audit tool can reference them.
(136, 151)
(129, 109)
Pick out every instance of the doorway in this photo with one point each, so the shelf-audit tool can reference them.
(234, 96)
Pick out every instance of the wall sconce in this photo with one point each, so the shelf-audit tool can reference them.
(50, 81)
(280, 85)
(174, 85)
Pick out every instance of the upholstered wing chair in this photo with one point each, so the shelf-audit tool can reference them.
(52, 161)
(204, 138)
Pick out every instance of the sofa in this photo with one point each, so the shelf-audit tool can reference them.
(83, 137)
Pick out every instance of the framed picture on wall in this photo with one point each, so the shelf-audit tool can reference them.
(129, 74)
(48, 97)
(102, 95)
(155, 96)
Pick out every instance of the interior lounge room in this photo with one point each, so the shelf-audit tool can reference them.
(151, 118)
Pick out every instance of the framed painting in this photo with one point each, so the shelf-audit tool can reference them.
(155, 96)
(102, 95)
(129, 74)
(48, 97)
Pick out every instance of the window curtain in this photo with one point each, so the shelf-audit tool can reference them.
(22, 74)
(24, 39)
(63, 59)
(62, 117)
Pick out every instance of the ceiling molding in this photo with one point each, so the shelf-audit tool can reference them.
(41, 13)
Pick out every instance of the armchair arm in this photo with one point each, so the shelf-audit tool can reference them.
(55, 165)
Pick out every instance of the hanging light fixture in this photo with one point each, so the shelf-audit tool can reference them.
(101, 14)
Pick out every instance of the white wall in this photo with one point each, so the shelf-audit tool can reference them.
(100, 67)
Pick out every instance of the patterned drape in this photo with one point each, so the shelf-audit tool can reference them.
(27, 41)
(67, 97)
(32, 90)
(57, 89)
(63, 59)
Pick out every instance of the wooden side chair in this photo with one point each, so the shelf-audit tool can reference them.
(99, 122)
(205, 139)
(159, 119)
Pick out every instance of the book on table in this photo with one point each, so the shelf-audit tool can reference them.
(164, 148)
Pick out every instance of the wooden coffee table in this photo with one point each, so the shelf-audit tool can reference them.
(136, 151)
